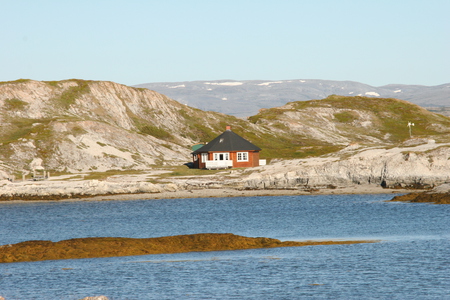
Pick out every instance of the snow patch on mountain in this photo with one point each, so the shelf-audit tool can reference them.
(231, 83)
(269, 83)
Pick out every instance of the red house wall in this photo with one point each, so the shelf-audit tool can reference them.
(253, 160)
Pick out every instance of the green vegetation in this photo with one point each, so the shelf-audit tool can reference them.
(15, 104)
(77, 130)
(197, 130)
(109, 173)
(24, 128)
(286, 144)
(15, 81)
(69, 96)
(278, 131)
(346, 116)
(52, 83)
(389, 118)
(155, 131)
(186, 171)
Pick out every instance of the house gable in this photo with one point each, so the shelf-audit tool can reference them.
(226, 142)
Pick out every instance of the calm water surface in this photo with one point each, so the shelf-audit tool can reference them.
(412, 260)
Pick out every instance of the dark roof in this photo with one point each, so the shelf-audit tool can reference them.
(228, 141)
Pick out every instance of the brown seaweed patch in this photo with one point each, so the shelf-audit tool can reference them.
(424, 197)
(118, 246)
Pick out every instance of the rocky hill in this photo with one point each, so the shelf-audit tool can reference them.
(79, 126)
(341, 120)
(75, 126)
(245, 98)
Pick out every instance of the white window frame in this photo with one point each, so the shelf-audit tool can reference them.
(226, 155)
(204, 157)
(242, 156)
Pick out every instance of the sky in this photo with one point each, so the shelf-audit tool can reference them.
(131, 42)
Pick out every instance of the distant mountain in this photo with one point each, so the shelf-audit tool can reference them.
(245, 98)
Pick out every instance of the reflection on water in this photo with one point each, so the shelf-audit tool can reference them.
(412, 261)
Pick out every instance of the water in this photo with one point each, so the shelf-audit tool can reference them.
(412, 260)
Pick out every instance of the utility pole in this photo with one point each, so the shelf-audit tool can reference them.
(409, 125)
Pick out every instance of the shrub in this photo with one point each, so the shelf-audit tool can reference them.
(69, 96)
(15, 104)
(155, 131)
(346, 116)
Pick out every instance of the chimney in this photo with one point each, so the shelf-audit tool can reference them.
(228, 127)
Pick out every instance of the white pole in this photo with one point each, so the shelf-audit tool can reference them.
(409, 125)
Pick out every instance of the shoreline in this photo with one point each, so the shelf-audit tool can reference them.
(228, 192)
(218, 193)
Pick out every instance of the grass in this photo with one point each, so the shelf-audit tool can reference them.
(173, 171)
(69, 96)
(15, 104)
(109, 173)
(155, 131)
(390, 118)
(26, 128)
(278, 140)
(186, 171)
(346, 116)
(52, 83)
(15, 81)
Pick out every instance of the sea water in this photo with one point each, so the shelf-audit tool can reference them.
(411, 261)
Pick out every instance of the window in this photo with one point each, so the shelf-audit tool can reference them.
(204, 157)
(242, 156)
(221, 156)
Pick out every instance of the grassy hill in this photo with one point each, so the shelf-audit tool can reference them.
(318, 126)
(95, 126)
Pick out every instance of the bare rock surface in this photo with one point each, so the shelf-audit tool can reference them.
(422, 166)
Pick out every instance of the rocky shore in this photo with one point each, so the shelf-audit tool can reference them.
(438, 195)
(102, 190)
(419, 165)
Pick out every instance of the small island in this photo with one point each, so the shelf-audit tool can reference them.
(118, 246)
(438, 195)
(436, 198)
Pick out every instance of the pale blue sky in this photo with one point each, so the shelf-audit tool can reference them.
(135, 41)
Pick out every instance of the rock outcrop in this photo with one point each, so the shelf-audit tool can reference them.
(416, 167)
(57, 190)
(438, 195)
(422, 166)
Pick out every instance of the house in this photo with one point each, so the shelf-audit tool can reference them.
(228, 150)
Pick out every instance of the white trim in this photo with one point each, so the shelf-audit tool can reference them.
(221, 156)
(242, 156)
(218, 164)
